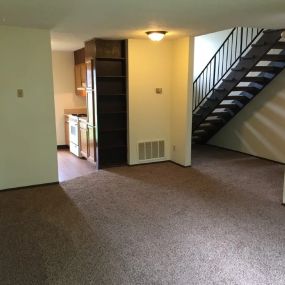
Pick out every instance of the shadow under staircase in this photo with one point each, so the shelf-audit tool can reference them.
(247, 61)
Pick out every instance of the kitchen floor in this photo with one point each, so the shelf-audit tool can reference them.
(70, 166)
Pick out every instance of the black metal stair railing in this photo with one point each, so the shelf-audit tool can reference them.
(232, 49)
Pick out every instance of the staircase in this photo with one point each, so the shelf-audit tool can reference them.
(247, 61)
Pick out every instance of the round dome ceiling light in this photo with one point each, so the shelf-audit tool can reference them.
(156, 36)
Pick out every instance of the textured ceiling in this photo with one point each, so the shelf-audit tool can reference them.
(73, 21)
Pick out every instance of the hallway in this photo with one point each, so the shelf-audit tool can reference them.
(70, 166)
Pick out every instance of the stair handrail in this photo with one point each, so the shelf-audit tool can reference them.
(213, 72)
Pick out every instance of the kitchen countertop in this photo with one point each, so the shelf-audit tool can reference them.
(83, 119)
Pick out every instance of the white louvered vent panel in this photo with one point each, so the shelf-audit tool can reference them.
(152, 150)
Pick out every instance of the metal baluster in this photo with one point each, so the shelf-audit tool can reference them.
(214, 74)
(209, 78)
(194, 97)
(236, 37)
(246, 37)
(200, 88)
(206, 81)
(218, 67)
(203, 76)
(227, 56)
(231, 49)
(196, 82)
(222, 61)
(241, 40)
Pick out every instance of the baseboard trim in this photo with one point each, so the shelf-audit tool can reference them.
(183, 166)
(63, 146)
(30, 186)
(259, 157)
(156, 162)
(148, 163)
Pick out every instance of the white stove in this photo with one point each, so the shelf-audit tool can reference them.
(74, 134)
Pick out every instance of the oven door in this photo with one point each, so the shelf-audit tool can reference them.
(74, 133)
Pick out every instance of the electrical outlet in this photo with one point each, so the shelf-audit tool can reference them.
(20, 93)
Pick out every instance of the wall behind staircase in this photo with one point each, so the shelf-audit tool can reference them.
(205, 47)
(259, 129)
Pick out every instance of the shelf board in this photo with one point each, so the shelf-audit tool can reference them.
(111, 76)
(110, 58)
(112, 113)
(112, 130)
(103, 95)
(111, 147)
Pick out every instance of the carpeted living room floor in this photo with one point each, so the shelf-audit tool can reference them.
(218, 222)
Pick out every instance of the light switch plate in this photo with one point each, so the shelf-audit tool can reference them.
(20, 93)
(158, 90)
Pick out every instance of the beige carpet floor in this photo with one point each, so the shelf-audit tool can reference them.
(219, 222)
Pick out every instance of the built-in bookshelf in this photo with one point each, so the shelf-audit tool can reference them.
(111, 99)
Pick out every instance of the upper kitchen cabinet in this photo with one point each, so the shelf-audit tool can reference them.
(80, 72)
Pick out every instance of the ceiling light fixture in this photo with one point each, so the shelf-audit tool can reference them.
(156, 35)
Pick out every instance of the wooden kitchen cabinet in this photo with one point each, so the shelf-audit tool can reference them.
(83, 74)
(91, 144)
(80, 72)
(87, 141)
(80, 79)
(84, 138)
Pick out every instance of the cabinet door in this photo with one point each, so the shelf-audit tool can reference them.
(90, 108)
(84, 142)
(77, 71)
(89, 74)
(91, 144)
(80, 79)
(83, 74)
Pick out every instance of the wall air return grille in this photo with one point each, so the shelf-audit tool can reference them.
(151, 150)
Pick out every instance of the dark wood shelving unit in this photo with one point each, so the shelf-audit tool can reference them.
(111, 76)
(112, 113)
(114, 146)
(111, 101)
(113, 130)
(106, 95)
(110, 58)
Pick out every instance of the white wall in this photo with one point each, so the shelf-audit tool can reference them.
(28, 139)
(205, 47)
(259, 128)
(64, 90)
(151, 116)
(181, 101)
(149, 113)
